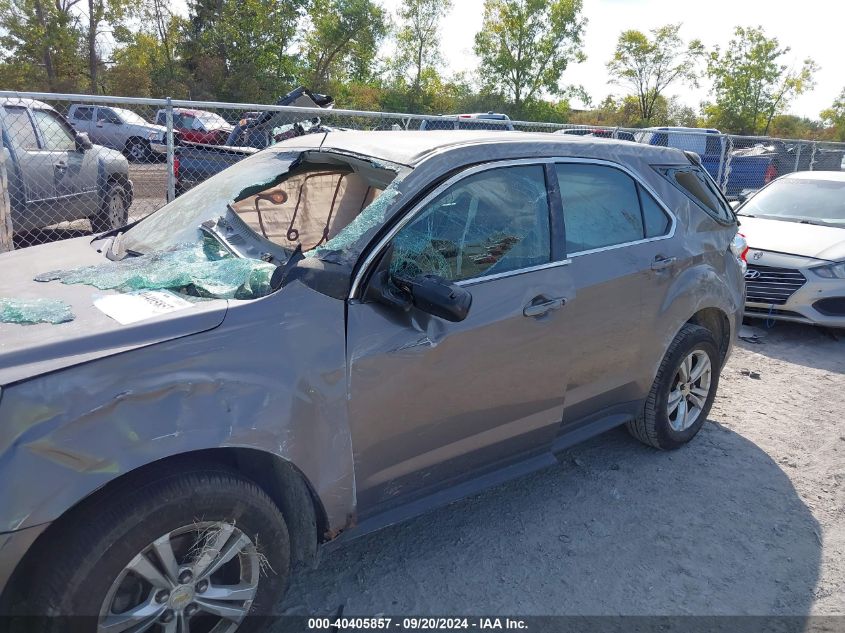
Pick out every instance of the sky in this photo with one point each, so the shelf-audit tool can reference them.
(812, 28)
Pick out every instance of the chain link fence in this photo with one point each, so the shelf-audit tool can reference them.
(76, 164)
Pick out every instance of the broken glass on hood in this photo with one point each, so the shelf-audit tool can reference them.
(30, 311)
(199, 270)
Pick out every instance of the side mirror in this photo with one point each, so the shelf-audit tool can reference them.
(83, 143)
(436, 296)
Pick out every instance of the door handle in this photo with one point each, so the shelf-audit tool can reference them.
(540, 306)
(660, 263)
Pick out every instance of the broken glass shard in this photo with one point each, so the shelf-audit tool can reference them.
(200, 270)
(29, 311)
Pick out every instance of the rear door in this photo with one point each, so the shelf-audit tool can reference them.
(82, 118)
(108, 129)
(614, 262)
(433, 402)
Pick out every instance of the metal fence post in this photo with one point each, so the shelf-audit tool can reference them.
(722, 160)
(813, 156)
(727, 150)
(171, 175)
(797, 156)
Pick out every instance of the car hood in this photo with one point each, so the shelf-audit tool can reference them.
(149, 127)
(781, 236)
(30, 350)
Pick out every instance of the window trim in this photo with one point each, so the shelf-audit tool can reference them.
(374, 253)
(663, 171)
(637, 181)
(27, 111)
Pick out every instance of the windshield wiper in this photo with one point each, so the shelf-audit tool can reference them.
(117, 251)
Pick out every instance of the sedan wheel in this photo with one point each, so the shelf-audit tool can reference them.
(204, 574)
(689, 393)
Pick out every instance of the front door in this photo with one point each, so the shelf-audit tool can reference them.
(75, 171)
(433, 402)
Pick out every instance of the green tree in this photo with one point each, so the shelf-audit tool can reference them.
(343, 40)
(40, 43)
(102, 16)
(834, 118)
(526, 45)
(417, 45)
(650, 66)
(751, 84)
(240, 49)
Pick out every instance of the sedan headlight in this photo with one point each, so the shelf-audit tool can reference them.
(831, 271)
(156, 136)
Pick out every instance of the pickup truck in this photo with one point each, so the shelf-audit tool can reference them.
(196, 162)
(746, 173)
(56, 174)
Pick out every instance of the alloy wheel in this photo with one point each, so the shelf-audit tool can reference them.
(200, 578)
(690, 389)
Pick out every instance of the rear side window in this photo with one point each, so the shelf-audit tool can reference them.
(19, 128)
(83, 113)
(655, 219)
(601, 207)
(700, 188)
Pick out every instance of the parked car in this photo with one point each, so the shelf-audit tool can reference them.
(622, 135)
(197, 126)
(56, 174)
(120, 129)
(795, 229)
(473, 121)
(747, 172)
(444, 311)
(197, 162)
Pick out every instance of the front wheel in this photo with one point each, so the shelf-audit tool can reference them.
(682, 392)
(189, 552)
(114, 210)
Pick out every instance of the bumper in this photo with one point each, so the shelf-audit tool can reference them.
(807, 304)
(158, 148)
(13, 547)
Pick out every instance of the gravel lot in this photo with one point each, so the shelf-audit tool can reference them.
(747, 519)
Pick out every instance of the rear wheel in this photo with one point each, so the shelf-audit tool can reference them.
(189, 553)
(683, 391)
(114, 209)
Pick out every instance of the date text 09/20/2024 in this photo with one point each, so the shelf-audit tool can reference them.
(409, 624)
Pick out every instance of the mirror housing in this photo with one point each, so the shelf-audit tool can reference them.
(83, 142)
(436, 296)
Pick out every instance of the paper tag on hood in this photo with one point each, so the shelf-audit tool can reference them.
(137, 306)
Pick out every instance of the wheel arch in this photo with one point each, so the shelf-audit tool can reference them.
(717, 322)
(280, 479)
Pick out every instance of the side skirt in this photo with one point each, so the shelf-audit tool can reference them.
(575, 434)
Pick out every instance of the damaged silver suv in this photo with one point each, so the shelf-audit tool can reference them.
(333, 335)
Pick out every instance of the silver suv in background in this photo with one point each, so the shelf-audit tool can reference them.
(120, 129)
(55, 174)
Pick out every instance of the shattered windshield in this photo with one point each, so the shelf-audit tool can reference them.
(225, 237)
(179, 222)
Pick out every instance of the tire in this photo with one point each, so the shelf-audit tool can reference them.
(114, 210)
(138, 150)
(661, 426)
(199, 513)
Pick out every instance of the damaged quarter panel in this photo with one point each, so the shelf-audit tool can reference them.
(271, 377)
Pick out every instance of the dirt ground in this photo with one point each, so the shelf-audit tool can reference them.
(749, 518)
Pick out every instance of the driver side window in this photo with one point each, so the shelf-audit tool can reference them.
(491, 222)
